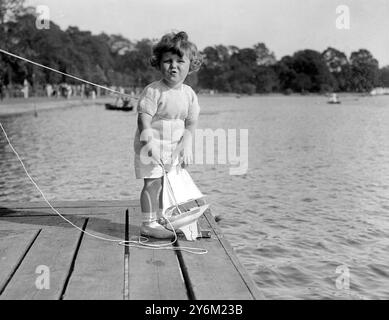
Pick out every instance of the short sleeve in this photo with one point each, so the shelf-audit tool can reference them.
(147, 102)
(194, 108)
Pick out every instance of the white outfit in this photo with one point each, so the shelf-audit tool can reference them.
(169, 109)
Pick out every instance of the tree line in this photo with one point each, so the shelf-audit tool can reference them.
(114, 60)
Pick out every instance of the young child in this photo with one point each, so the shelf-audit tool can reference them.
(168, 112)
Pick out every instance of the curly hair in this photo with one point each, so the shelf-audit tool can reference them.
(179, 44)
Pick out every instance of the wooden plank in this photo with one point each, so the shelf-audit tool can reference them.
(153, 274)
(150, 273)
(69, 204)
(9, 225)
(99, 267)
(13, 247)
(23, 212)
(213, 276)
(53, 249)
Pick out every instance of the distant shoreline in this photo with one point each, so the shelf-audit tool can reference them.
(17, 106)
(275, 94)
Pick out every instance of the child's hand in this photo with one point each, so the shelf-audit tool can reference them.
(151, 150)
(186, 155)
(155, 153)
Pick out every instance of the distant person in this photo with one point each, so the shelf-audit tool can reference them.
(126, 102)
(55, 91)
(49, 90)
(87, 92)
(25, 89)
(1, 91)
(69, 91)
(63, 90)
(165, 103)
(122, 102)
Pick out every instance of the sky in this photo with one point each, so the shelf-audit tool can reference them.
(285, 26)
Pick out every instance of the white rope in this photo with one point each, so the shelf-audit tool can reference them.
(142, 242)
(65, 74)
(128, 243)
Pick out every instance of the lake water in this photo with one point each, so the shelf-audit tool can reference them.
(314, 201)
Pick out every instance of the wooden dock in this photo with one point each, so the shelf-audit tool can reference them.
(43, 257)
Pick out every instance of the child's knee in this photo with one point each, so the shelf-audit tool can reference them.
(153, 184)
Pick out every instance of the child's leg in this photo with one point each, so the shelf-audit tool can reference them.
(161, 196)
(149, 199)
(150, 202)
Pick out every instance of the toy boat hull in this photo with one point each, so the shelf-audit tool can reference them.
(181, 220)
(109, 106)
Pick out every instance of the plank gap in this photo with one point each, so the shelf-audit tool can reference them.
(184, 272)
(20, 261)
(74, 259)
(126, 294)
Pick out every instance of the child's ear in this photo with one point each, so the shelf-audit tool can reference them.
(191, 69)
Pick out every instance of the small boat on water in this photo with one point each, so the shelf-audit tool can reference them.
(110, 106)
(123, 105)
(334, 99)
(379, 91)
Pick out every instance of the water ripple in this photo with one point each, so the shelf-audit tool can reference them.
(315, 197)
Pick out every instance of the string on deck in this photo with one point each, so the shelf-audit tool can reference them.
(142, 241)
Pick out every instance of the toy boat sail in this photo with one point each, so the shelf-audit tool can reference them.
(183, 203)
(334, 99)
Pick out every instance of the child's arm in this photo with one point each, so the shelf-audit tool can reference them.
(146, 136)
(184, 147)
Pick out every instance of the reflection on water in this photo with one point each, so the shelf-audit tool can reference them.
(316, 195)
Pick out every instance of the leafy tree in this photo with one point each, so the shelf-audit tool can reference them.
(310, 72)
(384, 77)
(264, 56)
(115, 60)
(247, 88)
(266, 79)
(120, 45)
(335, 59)
(213, 73)
(365, 71)
(242, 70)
(9, 9)
(136, 63)
(339, 67)
(193, 81)
(245, 57)
(285, 73)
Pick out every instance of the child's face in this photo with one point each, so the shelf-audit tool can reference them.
(174, 69)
